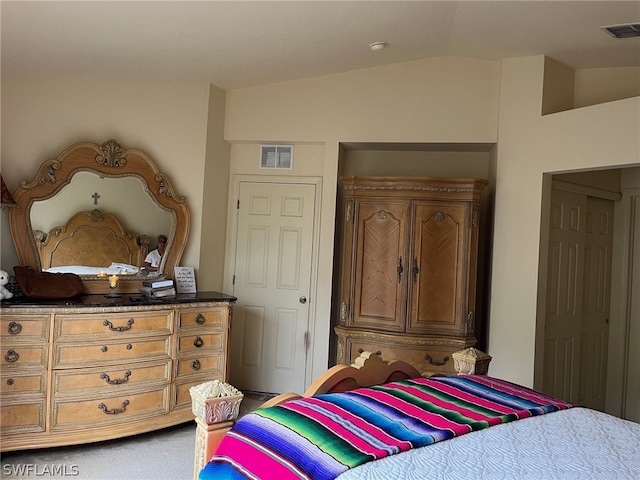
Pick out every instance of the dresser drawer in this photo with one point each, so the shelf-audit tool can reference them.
(22, 383)
(211, 317)
(204, 364)
(112, 352)
(24, 328)
(70, 413)
(181, 395)
(204, 341)
(112, 378)
(117, 325)
(23, 417)
(23, 355)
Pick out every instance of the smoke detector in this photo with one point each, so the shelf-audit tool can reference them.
(624, 30)
(375, 46)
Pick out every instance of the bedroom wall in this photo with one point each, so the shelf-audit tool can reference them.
(598, 136)
(167, 120)
(450, 100)
(439, 100)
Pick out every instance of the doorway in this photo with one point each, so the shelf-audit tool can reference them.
(273, 281)
(589, 362)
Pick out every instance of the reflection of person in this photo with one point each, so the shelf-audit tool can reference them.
(152, 261)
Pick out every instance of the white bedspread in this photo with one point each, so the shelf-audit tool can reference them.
(576, 444)
(113, 269)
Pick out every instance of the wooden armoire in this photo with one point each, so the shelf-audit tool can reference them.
(409, 257)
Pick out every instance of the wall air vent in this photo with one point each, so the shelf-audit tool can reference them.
(625, 30)
(276, 156)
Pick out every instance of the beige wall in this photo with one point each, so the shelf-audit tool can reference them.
(214, 208)
(441, 100)
(456, 101)
(531, 145)
(598, 85)
(41, 117)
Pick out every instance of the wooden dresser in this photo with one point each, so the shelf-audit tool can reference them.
(409, 260)
(95, 368)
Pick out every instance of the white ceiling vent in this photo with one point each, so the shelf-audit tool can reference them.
(624, 30)
(276, 156)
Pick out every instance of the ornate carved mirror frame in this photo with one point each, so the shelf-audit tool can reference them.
(111, 160)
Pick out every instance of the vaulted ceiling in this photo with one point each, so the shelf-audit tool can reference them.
(237, 44)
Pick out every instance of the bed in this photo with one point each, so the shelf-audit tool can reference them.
(377, 420)
(92, 243)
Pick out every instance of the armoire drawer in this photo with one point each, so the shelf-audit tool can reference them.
(196, 318)
(101, 409)
(117, 325)
(111, 378)
(427, 359)
(112, 352)
(210, 364)
(24, 328)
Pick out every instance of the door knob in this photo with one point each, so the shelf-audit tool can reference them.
(303, 300)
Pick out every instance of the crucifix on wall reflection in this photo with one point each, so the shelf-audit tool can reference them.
(95, 197)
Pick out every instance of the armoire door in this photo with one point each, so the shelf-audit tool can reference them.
(380, 266)
(438, 269)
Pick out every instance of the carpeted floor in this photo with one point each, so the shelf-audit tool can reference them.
(163, 455)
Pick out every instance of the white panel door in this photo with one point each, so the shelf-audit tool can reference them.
(564, 295)
(274, 248)
(596, 303)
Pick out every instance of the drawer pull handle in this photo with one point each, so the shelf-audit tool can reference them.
(104, 348)
(107, 323)
(200, 319)
(12, 356)
(10, 381)
(400, 270)
(198, 342)
(114, 411)
(116, 381)
(378, 353)
(14, 328)
(129, 346)
(415, 270)
(195, 364)
(437, 364)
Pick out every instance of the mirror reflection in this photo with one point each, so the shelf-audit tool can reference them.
(124, 198)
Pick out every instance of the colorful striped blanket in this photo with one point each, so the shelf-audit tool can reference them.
(320, 437)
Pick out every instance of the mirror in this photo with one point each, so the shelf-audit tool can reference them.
(86, 177)
(125, 197)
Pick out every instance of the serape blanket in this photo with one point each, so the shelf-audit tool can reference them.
(320, 437)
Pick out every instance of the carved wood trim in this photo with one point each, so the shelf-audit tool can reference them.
(109, 159)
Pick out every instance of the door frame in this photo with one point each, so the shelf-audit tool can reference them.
(232, 237)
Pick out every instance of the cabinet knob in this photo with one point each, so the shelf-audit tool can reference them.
(198, 342)
(195, 364)
(200, 319)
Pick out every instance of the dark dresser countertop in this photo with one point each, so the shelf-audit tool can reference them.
(126, 300)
